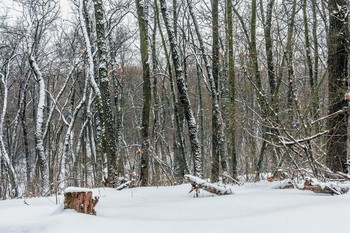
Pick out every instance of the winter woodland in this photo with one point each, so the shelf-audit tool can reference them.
(98, 93)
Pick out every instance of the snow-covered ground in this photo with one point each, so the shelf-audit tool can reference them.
(256, 208)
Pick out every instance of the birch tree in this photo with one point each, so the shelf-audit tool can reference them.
(92, 81)
(4, 156)
(41, 15)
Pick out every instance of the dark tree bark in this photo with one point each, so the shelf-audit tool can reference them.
(183, 93)
(258, 84)
(309, 59)
(337, 85)
(267, 21)
(218, 137)
(180, 165)
(25, 137)
(142, 15)
(289, 58)
(108, 137)
(231, 77)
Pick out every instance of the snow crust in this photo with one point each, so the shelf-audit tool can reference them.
(77, 189)
(255, 208)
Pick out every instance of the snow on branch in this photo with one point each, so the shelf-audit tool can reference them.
(290, 143)
(198, 183)
(130, 183)
(319, 187)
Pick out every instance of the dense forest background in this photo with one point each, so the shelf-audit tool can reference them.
(97, 93)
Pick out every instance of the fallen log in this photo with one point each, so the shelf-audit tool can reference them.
(198, 183)
(287, 184)
(278, 176)
(128, 184)
(318, 187)
(80, 199)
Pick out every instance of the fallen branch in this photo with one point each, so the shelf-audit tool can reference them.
(318, 187)
(130, 183)
(344, 175)
(198, 183)
(278, 176)
(287, 184)
(227, 176)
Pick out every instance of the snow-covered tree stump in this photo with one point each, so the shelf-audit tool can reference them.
(80, 199)
(198, 183)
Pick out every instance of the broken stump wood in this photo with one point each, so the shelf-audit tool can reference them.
(80, 199)
(198, 183)
(327, 188)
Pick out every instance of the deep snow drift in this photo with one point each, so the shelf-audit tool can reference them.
(256, 208)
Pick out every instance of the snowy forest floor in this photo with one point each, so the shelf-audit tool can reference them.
(254, 207)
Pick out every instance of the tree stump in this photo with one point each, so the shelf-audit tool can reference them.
(80, 199)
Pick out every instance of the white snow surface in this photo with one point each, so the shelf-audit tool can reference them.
(256, 208)
(77, 189)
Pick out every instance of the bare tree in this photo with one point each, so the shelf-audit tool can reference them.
(218, 138)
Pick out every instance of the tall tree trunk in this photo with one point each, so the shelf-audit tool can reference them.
(314, 90)
(183, 94)
(142, 15)
(258, 84)
(26, 142)
(269, 54)
(156, 105)
(289, 59)
(337, 84)
(118, 89)
(309, 60)
(4, 156)
(39, 140)
(109, 142)
(218, 137)
(95, 86)
(180, 164)
(231, 77)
